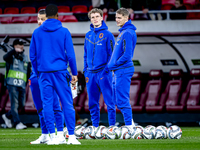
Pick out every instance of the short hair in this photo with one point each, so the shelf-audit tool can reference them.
(123, 11)
(51, 10)
(42, 12)
(95, 10)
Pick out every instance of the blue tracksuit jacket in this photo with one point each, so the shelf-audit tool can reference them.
(123, 52)
(96, 51)
(57, 52)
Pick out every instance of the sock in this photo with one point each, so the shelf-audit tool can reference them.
(52, 135)
(60, 133)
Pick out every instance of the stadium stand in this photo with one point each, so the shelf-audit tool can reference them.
(29, 105)
(81, 101)
(167, 4)
(79, 9)
(3, 101)
(9, 10)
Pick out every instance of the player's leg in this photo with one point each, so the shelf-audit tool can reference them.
(61, 82)
(46, 88)
(122, 83)
(34, 86)
(94, 92)
(58, 114)
(106, 89)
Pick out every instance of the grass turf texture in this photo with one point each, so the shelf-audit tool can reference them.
(20, 140)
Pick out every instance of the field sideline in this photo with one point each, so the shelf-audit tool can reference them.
(20, 140)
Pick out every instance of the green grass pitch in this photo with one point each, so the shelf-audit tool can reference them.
(20, 140)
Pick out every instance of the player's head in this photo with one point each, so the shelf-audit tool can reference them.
(96, 17)
(18, 44)
(178, 3)
(122, 16)
(41, 16)
(52, 11)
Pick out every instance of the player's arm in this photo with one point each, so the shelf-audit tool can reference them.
(70, 53)
(127, 41)
(110, 47)
(85, 57)
(33, 55)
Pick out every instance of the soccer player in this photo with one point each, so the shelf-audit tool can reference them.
(51, 49)
(98, 49)
(33, 82)
(121, 64)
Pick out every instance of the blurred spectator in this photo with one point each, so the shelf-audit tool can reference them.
(17, 74)
(153, 5)
(107, 6)
(134, 5)
(178, 6)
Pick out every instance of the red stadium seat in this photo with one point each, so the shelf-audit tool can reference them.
(79, 9)
(0, 11)
(192, 93)
(152, 91)
(63, 9)
(42, 7)
(69, 18)
(90, 8)
(28, 10)
(172, 93)
(9, 10)
(167, 4)
(3, 101)
(29, 105)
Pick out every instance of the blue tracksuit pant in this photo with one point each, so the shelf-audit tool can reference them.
(58, 82)
(121, 88)
(96, 83)
(58, 115)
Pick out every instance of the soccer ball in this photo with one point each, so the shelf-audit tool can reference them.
(137, 133)
(110, 133)
(161, 132)
(79, 132)
(65, 133)
(174, 132)
(90, 132)
(149, 132)
(125, 133)
(100, 132)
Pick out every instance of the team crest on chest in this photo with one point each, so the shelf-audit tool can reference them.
(100, 35)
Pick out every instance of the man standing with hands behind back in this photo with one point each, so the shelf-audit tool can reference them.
(51, 49)
(122, 65)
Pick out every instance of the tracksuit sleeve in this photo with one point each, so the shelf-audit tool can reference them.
(110, 46)
(85, 57)
(33, 55)
(70, 53)
(127, 49)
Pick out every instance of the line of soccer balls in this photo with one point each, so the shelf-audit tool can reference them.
(114, 132)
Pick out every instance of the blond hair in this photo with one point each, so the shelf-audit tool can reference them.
(123, 11)
(95, 10)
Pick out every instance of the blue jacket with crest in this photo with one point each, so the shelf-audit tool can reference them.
(98, 47)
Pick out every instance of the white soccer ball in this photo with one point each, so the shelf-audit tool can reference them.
(125, 133)
(100, 132)
(137, 133)
(174, 132)
(65, 133)
(149, 132)
(110, 133)
(161, 132)
(90, 132)
(79, 132)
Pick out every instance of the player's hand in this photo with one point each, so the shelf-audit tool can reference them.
(18, 49)
(74, 80)
(145, 10)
